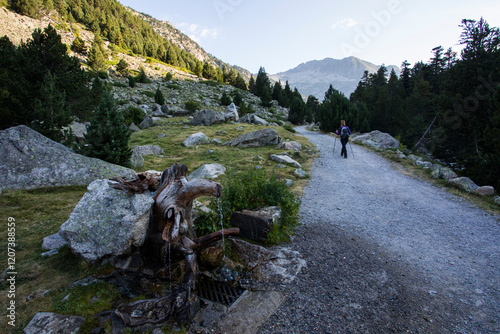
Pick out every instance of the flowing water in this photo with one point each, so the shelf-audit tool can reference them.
(221, 220)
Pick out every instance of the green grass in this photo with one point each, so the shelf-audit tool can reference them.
(40, 212)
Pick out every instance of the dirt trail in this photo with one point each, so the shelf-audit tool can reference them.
(388, 253)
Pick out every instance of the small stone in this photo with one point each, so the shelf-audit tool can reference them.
(485, 191)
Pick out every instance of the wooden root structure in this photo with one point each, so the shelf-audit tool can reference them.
(172, 218)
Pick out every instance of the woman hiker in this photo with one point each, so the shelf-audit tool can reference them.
(344, 133)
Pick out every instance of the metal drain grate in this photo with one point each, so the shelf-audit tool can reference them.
(217, 292)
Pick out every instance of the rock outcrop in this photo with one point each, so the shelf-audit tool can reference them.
(376, 139)
(258, 138)
(208, 117)
(107, 223)
(47, 322)
(29, 160)
(208, 171)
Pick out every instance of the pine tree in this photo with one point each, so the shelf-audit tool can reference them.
(107, 137)
(96, 56)
(225, 100)
(251, 85)
(159, 97)
(263, 87)
(122, 66)
(239, 82)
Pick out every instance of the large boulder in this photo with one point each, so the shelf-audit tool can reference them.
(196, 139)
(377, 139)
(232, 113)
(252, 119)
(30, 160)
(208, 171)
(107, 223)
(47, 322)
(258, 138)
(464, 183)
(79, 130)
(208, 117)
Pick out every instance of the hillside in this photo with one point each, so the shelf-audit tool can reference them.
(315, 76)
(184, 42)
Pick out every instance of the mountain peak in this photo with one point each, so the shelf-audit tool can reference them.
(315, 76)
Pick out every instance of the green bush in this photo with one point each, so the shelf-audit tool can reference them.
(191, 105)
(148, 93)
(169, 76)
(250, 190)
(133, 115)
(159, 98)
(225, 100)
(289, 128)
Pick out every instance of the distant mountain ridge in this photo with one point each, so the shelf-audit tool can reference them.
(315, 76)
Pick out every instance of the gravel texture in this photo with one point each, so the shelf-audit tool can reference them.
(387, 253)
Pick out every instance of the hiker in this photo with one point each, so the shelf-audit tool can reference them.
(344, 133)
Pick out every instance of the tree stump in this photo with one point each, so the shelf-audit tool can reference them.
(172, 220)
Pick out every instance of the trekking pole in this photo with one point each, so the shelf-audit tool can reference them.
(334, 144)
(351, 149)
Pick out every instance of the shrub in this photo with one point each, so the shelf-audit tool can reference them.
(131, 82)
(289, 128)
(133, 115)
(250, 190)
(148, 93)
(191, 105)
(159, 97)
(122, 66)
(169, 76)
(237, 98)
(225, 100)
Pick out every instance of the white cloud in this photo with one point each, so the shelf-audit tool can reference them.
(197, 32)
(344, 24)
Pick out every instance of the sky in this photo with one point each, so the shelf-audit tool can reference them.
(279, 35)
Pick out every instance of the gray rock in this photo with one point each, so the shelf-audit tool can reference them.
(377, 139)
(232, 113)
(196, 139)
(136, 161)
(147, 122)
(198, 210)
(47, 322)
(147, 150)
(300, 173)
(134, 128)
(496, 199)
(208, 117)
(436, 173)
(288, 182)
(447, 173)
(485, 191)
(259, 121)
(414, 158)
(107, 222)
(279, 264)
(29, 160)
(161, 135)
(256, 224)
(79, 130)
(165, 109)
(290, 146)
(216, 141)
(158, 113)
(285, 159)
(54, 241)
(258, 138)
(208, 171)
(424, 164)
(464, 183)
(400, 154)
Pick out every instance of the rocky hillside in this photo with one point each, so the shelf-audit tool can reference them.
(177, 37)
(315, 76)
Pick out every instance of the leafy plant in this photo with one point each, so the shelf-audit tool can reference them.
(253, 189)
(191, 105)
(225, 100)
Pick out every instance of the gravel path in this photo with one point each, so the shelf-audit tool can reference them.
(387, 253)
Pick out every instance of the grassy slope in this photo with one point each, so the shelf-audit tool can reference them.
(39, 213)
